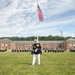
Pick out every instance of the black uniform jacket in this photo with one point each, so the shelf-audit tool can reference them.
(37, 47)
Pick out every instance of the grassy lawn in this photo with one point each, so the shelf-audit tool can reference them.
(51, 64)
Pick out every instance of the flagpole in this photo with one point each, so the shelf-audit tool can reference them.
(37, 1)
(40, 15)
(37, 27)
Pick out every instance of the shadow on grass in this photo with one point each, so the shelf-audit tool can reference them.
(24, 63)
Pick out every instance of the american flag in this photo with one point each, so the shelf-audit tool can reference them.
(40, 15)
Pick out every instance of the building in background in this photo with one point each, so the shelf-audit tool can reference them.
(6, 44)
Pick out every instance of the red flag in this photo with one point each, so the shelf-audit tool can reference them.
(40, 15)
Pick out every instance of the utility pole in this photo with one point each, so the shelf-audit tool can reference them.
(61, 33)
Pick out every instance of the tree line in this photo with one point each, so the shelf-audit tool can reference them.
(41, 38)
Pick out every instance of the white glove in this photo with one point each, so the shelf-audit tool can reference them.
(36, 50)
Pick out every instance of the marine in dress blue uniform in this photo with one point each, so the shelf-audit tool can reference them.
(36, 52)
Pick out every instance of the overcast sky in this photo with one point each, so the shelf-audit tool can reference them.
(20, 18)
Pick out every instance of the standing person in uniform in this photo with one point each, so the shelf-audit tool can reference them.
(36, 52)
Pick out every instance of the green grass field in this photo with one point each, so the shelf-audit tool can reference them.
(51, 64)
